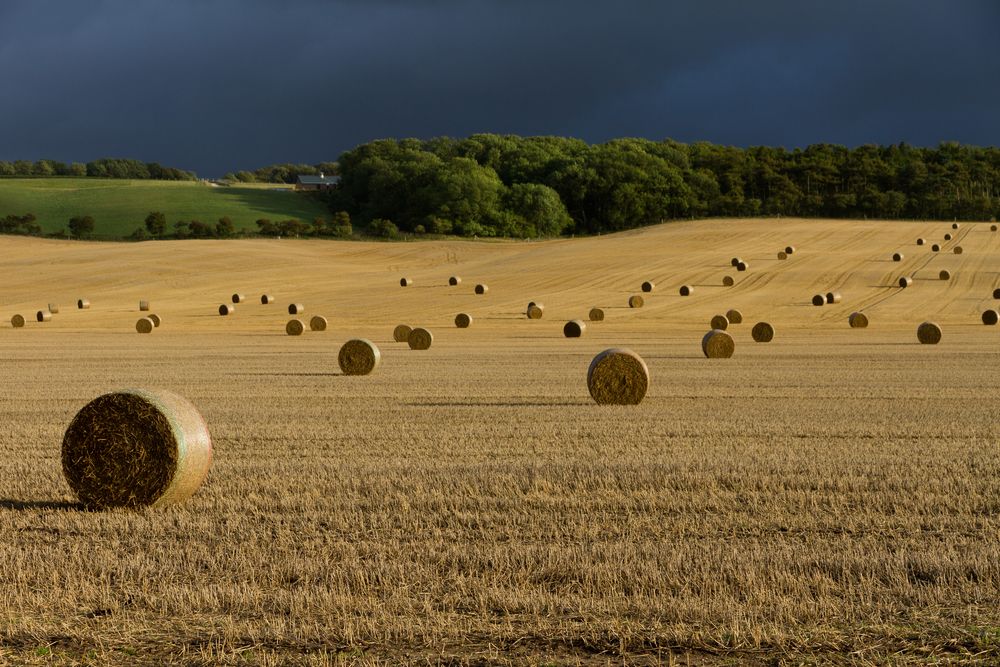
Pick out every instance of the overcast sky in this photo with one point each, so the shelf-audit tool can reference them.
(220, 85)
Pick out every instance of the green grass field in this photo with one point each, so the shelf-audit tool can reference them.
(120, 206)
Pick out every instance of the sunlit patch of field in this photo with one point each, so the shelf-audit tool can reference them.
(830, 497)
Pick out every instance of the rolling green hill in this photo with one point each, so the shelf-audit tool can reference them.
(120, 206)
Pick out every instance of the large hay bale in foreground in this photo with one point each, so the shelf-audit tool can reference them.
(17, 321)
(734, 316)
(762, 332)
(945, 274)
(905, 282)
(136, 448)
(405, 282)
(238, 298)
(929, 333)
(957, 250)
(636, 301)
(296, 309)
(618, 376)
(991, 317)
(717, 344)
(420, 339)
(401, 333)
(574, 328)
(727, 281)
(834, 297)
(43, 316)
(83, 304)
(790, 250)
(156, 319)
(921, 241)
(720, 322)
(648, 286)
(897, 257)
(818, 300)
(295, 327)
(534, 311)
(858, 320)
(358, 357)
(935, 248)
(463, 320)
(266, 299)
(226, 309)
(144, 325)
(143, 305)
(596, 314)
(454, 280)
(742, 266)
(482, 289)
(686, 290)
(53, 308)
(317, 323)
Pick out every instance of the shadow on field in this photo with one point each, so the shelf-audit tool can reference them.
(280, 204)
(284, 374)
(20, 505)
(496, 404)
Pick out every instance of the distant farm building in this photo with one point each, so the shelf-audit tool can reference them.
(321, 182)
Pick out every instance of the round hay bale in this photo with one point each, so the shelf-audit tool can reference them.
(858, 320)
(727, 281)
(17, 321)
(482, 289)
(897, 257)
(834, 297)
(717, 344)
(358, 357)
(993, 228)
(742, 266)
(420, 339)
(535, 311)
(905, 282)
(648, 286)
(790, 250)
(266, 299)
(54, 308)
(295, 327)
(957, 250)
(782, 254)
(819, 300)
(143, 305)
(734, 316)
(226, 309)
(935, 248)
(947, 237)
(144, 325)
(83, 304)
(463, 320)
(296, 309)
(945, 274)
(762, 332)
(955, 225)
(636, 301)
(991, 317)
(317, 323)
(687, 290)
(574, 328)
(405, 282)
(929, 333)
(618, 376)
(596, 314)
(239, 298)
(401, 333)
(43, 316)
(136, 448)
(720, 322)
(735, 261)
(996, 293)
(156, 319)
(454, 280)
(921, 241)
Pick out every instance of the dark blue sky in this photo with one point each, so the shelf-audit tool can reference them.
(219, 85)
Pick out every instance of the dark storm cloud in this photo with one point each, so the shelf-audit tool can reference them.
(216, 85)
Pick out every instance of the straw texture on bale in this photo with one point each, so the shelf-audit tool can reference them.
(834, 297)
(54, 308)
(266, 299)
(535, 311)
(405, 282)
(463, 320)
(83, 304)
(226, 309)
(790, 250)
(574, 328)
(991, 316)
(720, 322)
(687, 290)
(727, 281)
(897, 257)
(782, 254)
(596, 314)
(43, 316)
(296, 309)
(648, 286)
(17, 321)
(238, 298)
(156, 319)
(735, 261)
(144, 325)
(636, 301)
(618, 376)
(136, 448)
(420, 339)
(947, 237)
(717, 344)
(454, 280)
(401, 333)
(734, 316)
(945, 274)
(482, 289)
(742, 266)
(317, 323)
(819, 300)
(920, 241)
(858, 320)
(358, 357)
(762, 332)
(957, 250)
(295, 327)
(905, 281)
(143, 305)
(929, 333)
(935, 248)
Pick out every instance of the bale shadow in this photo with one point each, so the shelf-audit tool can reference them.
(21, 505)
(496, 404)
(283, 374)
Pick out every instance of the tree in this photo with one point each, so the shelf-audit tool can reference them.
(156, 224)
(539, 207)
(81, 226)
(225, 228)
(383, 228)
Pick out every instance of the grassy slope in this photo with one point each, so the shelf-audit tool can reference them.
(120, 206)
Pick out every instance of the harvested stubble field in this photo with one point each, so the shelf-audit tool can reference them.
(830, 497)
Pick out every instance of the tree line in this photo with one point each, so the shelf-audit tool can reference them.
(104, 168)
(282, 173)
(493, 185)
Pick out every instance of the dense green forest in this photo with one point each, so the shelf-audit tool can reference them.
(492, 185)
(103, 168)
